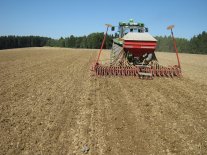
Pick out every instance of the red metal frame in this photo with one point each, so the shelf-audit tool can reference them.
(102, 44)
(138, 48)
(175, 47)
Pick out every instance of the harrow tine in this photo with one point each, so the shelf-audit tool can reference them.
(113, 71)
(104, 71)
(142, 72)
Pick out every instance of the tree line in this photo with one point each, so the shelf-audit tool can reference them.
(7, 42)
(197, 44)
(92, 41)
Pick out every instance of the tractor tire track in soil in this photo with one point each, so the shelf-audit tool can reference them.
(50, 104)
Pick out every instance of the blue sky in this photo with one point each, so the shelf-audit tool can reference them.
(56, 18)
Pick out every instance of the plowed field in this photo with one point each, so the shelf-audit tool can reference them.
(49, 104)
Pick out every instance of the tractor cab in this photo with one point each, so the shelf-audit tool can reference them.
(131, 26)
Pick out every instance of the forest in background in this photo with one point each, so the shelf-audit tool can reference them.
(196, 45)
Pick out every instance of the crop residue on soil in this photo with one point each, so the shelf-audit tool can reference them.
(49, 104)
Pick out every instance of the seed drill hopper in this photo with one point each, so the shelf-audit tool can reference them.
(133, 54)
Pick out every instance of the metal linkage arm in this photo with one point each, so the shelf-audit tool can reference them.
(175, 47)
(107, 25)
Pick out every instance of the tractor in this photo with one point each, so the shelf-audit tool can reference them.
(133, 53)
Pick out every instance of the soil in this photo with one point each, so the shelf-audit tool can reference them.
(50, 104)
